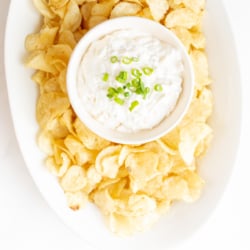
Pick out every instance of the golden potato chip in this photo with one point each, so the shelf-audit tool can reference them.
(57, 129)
(81, 154)
(94, 20)
(182, 17)
(198, 40)
(73, 18)
(104, 201)
(88, 138)
(146, 13)
(58, 169)
(184, 35)
(44, 141)
(125, 9)
(86, 9)
(190, 136)
(74, 179)
(194, 5)
(49, 106)
(200, 109)
(58, 53)
(37, 60)
(103, 8)
(200, 64)
(67, 37)
(79, 34)
(195, 185)
(107, 161)
(158, 8)
(57, 4)
(42, 40)
(76, 200)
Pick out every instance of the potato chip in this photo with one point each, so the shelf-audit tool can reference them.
(44, 141)
(67, 37)
(182, 17)
(58, 169)
(88, 138)
(49, 106)
(103, 8)
(190, 136)
(146, 13)
(81, 154)
(107, 161)
(125, 9)
(158, 8)
(57, 4)
(37, 60)
(94, 20)
(76, 200)
(42, 40)
(74, 179)
(86, 9)
(73, 18)
(194, 5)
(200, 64)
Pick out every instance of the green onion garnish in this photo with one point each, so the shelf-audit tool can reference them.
(158, 87)
(133, 105)
(147, 71)
(120, 90)
(119, 100)
(114, 59)
(126, 94)
(136, 72)
(126, 60)
(122, 77)
(105, 77)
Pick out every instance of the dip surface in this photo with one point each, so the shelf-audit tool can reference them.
(111, 71)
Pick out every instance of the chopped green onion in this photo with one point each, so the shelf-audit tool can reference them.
(122, 77)
(105, 77)
(147, 71)
(147, 90)
(110, 96)
(158, 87)
(120, 90)
(136, 82)
(128, 85)
(136, 72)
(126, 60)
(114, 59)
(119, 100)
(133, 105)
(126, 94)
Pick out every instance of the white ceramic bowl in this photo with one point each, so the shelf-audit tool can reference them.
(154, 29)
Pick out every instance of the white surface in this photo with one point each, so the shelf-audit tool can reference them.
(26, 222)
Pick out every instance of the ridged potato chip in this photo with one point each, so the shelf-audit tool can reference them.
(182, 17)
(74, 179)
(125, 9)
(158, 8)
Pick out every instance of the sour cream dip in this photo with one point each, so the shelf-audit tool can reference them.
(129, 80)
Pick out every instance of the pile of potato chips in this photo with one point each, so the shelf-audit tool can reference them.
(132, 185)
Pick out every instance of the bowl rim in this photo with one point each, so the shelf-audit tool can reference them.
(162, 33)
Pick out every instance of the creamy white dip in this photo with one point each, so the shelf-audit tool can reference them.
(163, 58)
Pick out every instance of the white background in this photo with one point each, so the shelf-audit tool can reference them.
(26, 221)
